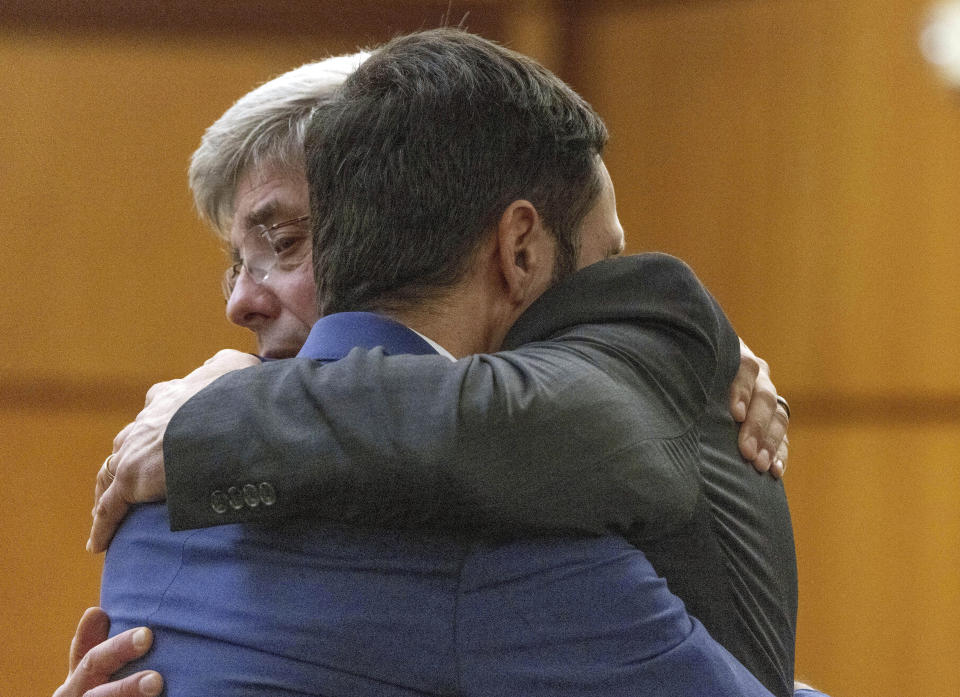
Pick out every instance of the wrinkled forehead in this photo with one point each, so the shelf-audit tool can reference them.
(266, 195)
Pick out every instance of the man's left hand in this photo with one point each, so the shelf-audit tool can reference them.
(134, 472)
(764, 420)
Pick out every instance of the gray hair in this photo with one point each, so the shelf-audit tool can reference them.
(264, 127)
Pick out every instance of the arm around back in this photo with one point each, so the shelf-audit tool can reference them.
(563, 433)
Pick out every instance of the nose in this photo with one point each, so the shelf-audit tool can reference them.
(251, 304)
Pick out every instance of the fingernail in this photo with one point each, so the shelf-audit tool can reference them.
(151, 684)
(778, 469)
(141, 639)
(89, 545)
(740, 411)
(763, 460)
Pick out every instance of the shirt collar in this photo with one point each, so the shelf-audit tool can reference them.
(334, 336)
(436, 347)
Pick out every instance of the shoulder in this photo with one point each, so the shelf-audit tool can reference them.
(636, 289)
(645, 321)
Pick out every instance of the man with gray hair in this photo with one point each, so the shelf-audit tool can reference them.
(248, 174)
(248, 171)
(256, 206)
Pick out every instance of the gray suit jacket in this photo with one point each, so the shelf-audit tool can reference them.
(608, 414)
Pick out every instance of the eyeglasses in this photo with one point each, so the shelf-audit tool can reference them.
(267, 249)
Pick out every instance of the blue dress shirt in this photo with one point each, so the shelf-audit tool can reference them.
(313, 608)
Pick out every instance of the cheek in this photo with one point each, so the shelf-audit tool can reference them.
(299, 295)
(589, 253)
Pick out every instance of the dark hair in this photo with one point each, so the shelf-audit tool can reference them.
(420, 152)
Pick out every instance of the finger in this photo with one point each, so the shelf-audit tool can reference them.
(152, 392)
(739, 398)
(107, 516)
(742, 387)
(144, 684)
(221, 355)
(777, 469)
(160, 388)
(753, 432)
(104, 659)
(105, 478)
(783, 452)
(782, 455)
(93, 629)
(773, 436)
(119, 439)
(231, 359)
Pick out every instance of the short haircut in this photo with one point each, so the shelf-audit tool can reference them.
(265, 127)
(423, 148)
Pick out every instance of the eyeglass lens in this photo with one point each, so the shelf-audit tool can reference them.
(263, 248)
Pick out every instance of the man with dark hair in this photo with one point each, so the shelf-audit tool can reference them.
(490, 127)
(439, 139)
(616, 425)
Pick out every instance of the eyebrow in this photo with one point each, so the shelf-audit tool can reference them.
(261, 215)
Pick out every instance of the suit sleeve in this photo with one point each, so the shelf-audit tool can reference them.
(591, 429)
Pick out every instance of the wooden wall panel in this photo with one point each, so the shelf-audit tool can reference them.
(802, 157)
(878, 546)
(805, 161)
(104, 259)
(47, 579)
(108, 272)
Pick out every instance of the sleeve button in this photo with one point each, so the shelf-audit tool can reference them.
(236, 498)
(267, 494)
(219, 501)
(251, 496)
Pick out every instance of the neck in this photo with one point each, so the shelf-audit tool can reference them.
(462, 320)
(474, 315)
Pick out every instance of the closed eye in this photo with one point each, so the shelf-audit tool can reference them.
(290, 245)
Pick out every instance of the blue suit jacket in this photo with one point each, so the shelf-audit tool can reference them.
(315, 608)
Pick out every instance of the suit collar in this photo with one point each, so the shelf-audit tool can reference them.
(334, 336)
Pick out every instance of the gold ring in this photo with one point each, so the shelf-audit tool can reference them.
(783, 403)
(106, 467)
